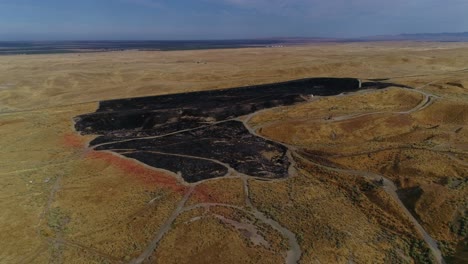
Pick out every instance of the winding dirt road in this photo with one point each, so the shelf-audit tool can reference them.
(389, 187)
(163, 230)
(294, 253)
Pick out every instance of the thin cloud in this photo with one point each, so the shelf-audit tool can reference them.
(321, 7)
(179, 19)
(146, 3)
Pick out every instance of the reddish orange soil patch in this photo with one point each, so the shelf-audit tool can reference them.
(202, 193)
(143, 174)
(205, 194)
(73, 140)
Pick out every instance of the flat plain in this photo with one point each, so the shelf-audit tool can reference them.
(376, 176)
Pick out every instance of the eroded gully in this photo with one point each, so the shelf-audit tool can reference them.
(294, 252)
(388, 185)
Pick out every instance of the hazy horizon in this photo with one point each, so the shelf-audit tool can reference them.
(55, 20)
(231, 39)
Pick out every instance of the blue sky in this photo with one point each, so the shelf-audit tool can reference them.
(221, 19)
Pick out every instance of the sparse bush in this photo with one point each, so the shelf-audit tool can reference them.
(460, 227)
(420, 252)
(446, 248)
(57, 219)
(463, 228)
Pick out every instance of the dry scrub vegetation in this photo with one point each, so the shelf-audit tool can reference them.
(64, 203)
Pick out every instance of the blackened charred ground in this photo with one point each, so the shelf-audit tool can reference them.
(213, 149)
(198, 134)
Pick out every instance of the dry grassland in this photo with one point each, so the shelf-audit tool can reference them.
(62, 202)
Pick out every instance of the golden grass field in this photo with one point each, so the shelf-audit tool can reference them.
(62, 202)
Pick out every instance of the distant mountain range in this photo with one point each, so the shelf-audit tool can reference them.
(436, 37)
(455, 37)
